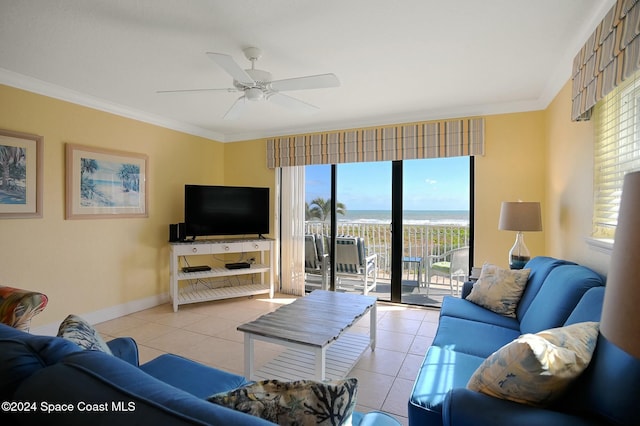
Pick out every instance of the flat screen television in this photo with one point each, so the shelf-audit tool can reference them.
(225, 210)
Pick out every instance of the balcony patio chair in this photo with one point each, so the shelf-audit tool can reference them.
(353, 262)
(452, 264)
(316, 259)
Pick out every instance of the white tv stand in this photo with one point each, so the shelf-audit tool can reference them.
(219, 282)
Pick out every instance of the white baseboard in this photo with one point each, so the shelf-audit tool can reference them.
(107, 314)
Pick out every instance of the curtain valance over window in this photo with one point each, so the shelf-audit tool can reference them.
(610, 55)
(432, 139)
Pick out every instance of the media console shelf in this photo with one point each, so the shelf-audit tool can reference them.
(193, 287)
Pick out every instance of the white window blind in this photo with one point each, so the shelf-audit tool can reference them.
(617, 151)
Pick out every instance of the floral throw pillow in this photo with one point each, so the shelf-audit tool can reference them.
(18, 306)
(81, 333)
(499, 289)
(302, 402)
(536, 369)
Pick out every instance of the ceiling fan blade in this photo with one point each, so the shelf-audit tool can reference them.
(229, 89)
(320, 81)
(292, 103)
(236, 109)
(231, 67)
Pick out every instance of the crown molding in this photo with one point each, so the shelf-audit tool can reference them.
(397, 119)
(40, 87)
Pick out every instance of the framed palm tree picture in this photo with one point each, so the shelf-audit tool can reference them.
(103, 183)
(21, 157)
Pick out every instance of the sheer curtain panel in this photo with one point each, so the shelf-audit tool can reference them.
(292, 230)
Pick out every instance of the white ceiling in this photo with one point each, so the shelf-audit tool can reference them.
(397, 61)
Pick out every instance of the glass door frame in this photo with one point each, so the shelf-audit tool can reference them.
(397, 240)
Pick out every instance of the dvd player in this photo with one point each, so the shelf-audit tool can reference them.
(237, 265)
(196, 268)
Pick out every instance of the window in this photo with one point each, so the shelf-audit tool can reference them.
(617, 151)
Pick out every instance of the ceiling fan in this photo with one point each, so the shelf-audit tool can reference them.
(257, 85)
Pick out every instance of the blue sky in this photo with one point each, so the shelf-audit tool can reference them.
(435, 184)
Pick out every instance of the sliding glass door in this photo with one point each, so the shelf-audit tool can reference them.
(364, 212)
(408, 216)
(436, 219)
(318, 226)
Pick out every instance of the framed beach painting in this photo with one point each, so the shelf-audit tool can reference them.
(103, 183)
(21, 156)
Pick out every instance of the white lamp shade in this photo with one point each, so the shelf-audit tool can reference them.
(620, 322)
(520, 216)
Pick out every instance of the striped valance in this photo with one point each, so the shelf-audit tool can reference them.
(610, 55)
(434, 139)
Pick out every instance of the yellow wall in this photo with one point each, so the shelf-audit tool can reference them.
(570, 185)
(541, 156)
(512, 169)
(246, 165)
(88, 265)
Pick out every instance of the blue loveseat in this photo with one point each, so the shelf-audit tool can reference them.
(557, 293)
(49, 380)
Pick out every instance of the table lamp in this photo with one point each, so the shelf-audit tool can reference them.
(620, 322)
(519, 216)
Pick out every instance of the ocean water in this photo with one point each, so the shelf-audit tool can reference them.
(410, 217)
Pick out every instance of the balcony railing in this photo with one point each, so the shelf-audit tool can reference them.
(419, 240)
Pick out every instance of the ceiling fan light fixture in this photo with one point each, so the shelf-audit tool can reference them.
(254, 94)
(252, 53)
(257, 85)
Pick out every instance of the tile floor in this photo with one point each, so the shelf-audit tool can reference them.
(206, 332)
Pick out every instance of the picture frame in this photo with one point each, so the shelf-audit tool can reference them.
(104, 183)
(21, 158)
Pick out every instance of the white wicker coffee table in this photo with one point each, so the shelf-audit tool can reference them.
(314, 329)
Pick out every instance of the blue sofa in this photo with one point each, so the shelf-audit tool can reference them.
(49, 380)
(557, 293)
